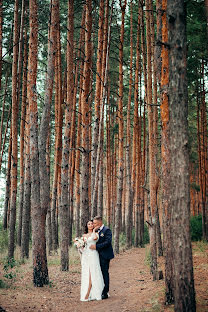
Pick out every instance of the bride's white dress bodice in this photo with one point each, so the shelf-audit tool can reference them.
(90, 241)
(91, 266)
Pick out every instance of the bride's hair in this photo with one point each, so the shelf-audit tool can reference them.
(86, 228)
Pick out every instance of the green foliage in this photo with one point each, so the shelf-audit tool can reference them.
(3, 284)
(3, 239)
(196, 38)
(196, 228)
(51, 284)
(9, 272)
(196, 52)
(146, 235)
(9, 264)
(122, 240)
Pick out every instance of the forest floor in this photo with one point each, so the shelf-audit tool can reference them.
(131, 286)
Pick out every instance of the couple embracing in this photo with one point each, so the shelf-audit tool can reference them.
(95, 261)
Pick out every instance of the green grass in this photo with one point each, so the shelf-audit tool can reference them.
(3, 239)
(53, 260)
(200, 246)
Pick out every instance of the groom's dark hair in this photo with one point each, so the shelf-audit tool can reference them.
(99, 218)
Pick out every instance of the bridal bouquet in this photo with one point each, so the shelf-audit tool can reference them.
(80, 243)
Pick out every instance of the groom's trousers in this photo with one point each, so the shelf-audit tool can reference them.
(104, 264)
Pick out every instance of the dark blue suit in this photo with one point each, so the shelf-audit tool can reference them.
(105, 250)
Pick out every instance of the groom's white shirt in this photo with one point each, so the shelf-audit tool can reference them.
(100, 229)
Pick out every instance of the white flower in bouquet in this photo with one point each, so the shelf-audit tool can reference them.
(80, 243)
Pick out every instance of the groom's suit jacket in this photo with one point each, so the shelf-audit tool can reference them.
(104, 244)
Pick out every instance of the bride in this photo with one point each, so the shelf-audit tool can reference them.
(92, 283)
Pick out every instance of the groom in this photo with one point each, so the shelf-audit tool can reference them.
(105, 250)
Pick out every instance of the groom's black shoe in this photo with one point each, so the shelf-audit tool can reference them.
(104, 296)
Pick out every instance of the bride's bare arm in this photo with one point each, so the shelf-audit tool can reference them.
(95, 234)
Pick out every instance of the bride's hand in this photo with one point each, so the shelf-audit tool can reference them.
(93, 247)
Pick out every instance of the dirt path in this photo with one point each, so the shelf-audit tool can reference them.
(131, 289)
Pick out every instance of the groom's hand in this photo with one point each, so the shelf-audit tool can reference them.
(93, 247)
(96, 228)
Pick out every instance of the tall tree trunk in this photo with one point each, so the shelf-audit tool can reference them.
(84, 204)
(58, 140)
(120, 136)
(155, 130)
(78, 136)
(100, 188)
(103, 94)
(48, 213)
(72, 169)
(166, 161)
(5, 136)
(27, 193)
(8, 183)
(64, 206)
(184, 293)
(40, 269)
(204, 159)
(97, 107)
(152, 154)
(23, 114)
(2, 115)
(108, 164)
(77, 163)
(144, 154)
(115, 180)
(1, 37)
(104, 76)
(129, 196)
(158, 46)
(135, 157)
(14, 136)
(45, 120)
(139, 207)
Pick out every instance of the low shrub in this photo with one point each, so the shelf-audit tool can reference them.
(146, 234)
(3, 238)
(3, 284)
(196, 228)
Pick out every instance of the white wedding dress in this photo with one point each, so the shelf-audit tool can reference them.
(91, 265)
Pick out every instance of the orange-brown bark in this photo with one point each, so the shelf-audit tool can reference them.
(165, 154)
(14, 135)
(136, 121)
(84, 204)
(118, 210)
(99, 81)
